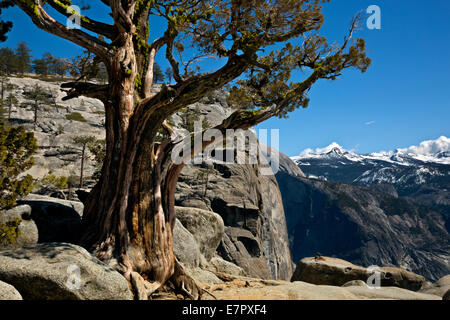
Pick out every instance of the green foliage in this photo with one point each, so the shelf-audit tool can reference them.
(50, 181)
(16, 149)
(2, 113)
(190, 116)
(86, 66)
(75, 116)
(23, 57)
(40, 67)
(83, 140)
(38, 96)
(9, 231)
(50, 65)
(8, 61)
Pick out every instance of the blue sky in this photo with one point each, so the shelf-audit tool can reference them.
(403, 99)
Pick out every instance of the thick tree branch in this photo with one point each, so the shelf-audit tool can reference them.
(91, 90)
(45, 22)
(154, 48)
(171, 35)
(85, 22)
(189, 91)
(123, 17)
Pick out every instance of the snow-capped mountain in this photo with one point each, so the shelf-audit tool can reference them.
(432, 151)
(425, 165)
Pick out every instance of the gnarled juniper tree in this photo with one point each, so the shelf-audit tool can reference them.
(129, 215)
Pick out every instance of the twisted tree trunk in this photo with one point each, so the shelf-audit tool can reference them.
(129, 216)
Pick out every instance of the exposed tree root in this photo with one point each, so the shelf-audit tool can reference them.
(185, 284)
(142, 288)
(180, 286)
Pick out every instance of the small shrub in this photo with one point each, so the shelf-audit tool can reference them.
(16, 149)
(9, 231)
(75, 116)
(50, 181)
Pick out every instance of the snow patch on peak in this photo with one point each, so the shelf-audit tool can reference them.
(333, 151)
(335, 147)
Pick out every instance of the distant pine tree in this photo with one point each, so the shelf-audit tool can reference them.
(190, 116)
(8, 61)
(60, 66)
(9, 102)
(23, 57)
(40, 67)
(38, 96)
(158, 75)
(2, 113)
(4, 81)
(84, 142)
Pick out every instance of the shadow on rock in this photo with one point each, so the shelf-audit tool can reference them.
(55, 221)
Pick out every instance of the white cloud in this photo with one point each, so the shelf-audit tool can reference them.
(429, 147)
(369, 123)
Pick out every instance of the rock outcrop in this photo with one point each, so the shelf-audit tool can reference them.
(337, 272)
(56, 220)
(28, 231)
(58, 271)
(247, 201)
(185, 247)
(439, 288)
(363, 226)
(226, 267)
(206, 226)
(446, 295)
(8, 292)
(54, 132)
(242, 288)
(242, 248)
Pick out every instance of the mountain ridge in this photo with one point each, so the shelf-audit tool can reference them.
(435, 151)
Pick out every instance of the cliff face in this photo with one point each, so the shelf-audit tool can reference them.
(251, 207)
(364, 226)
(255, 230)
